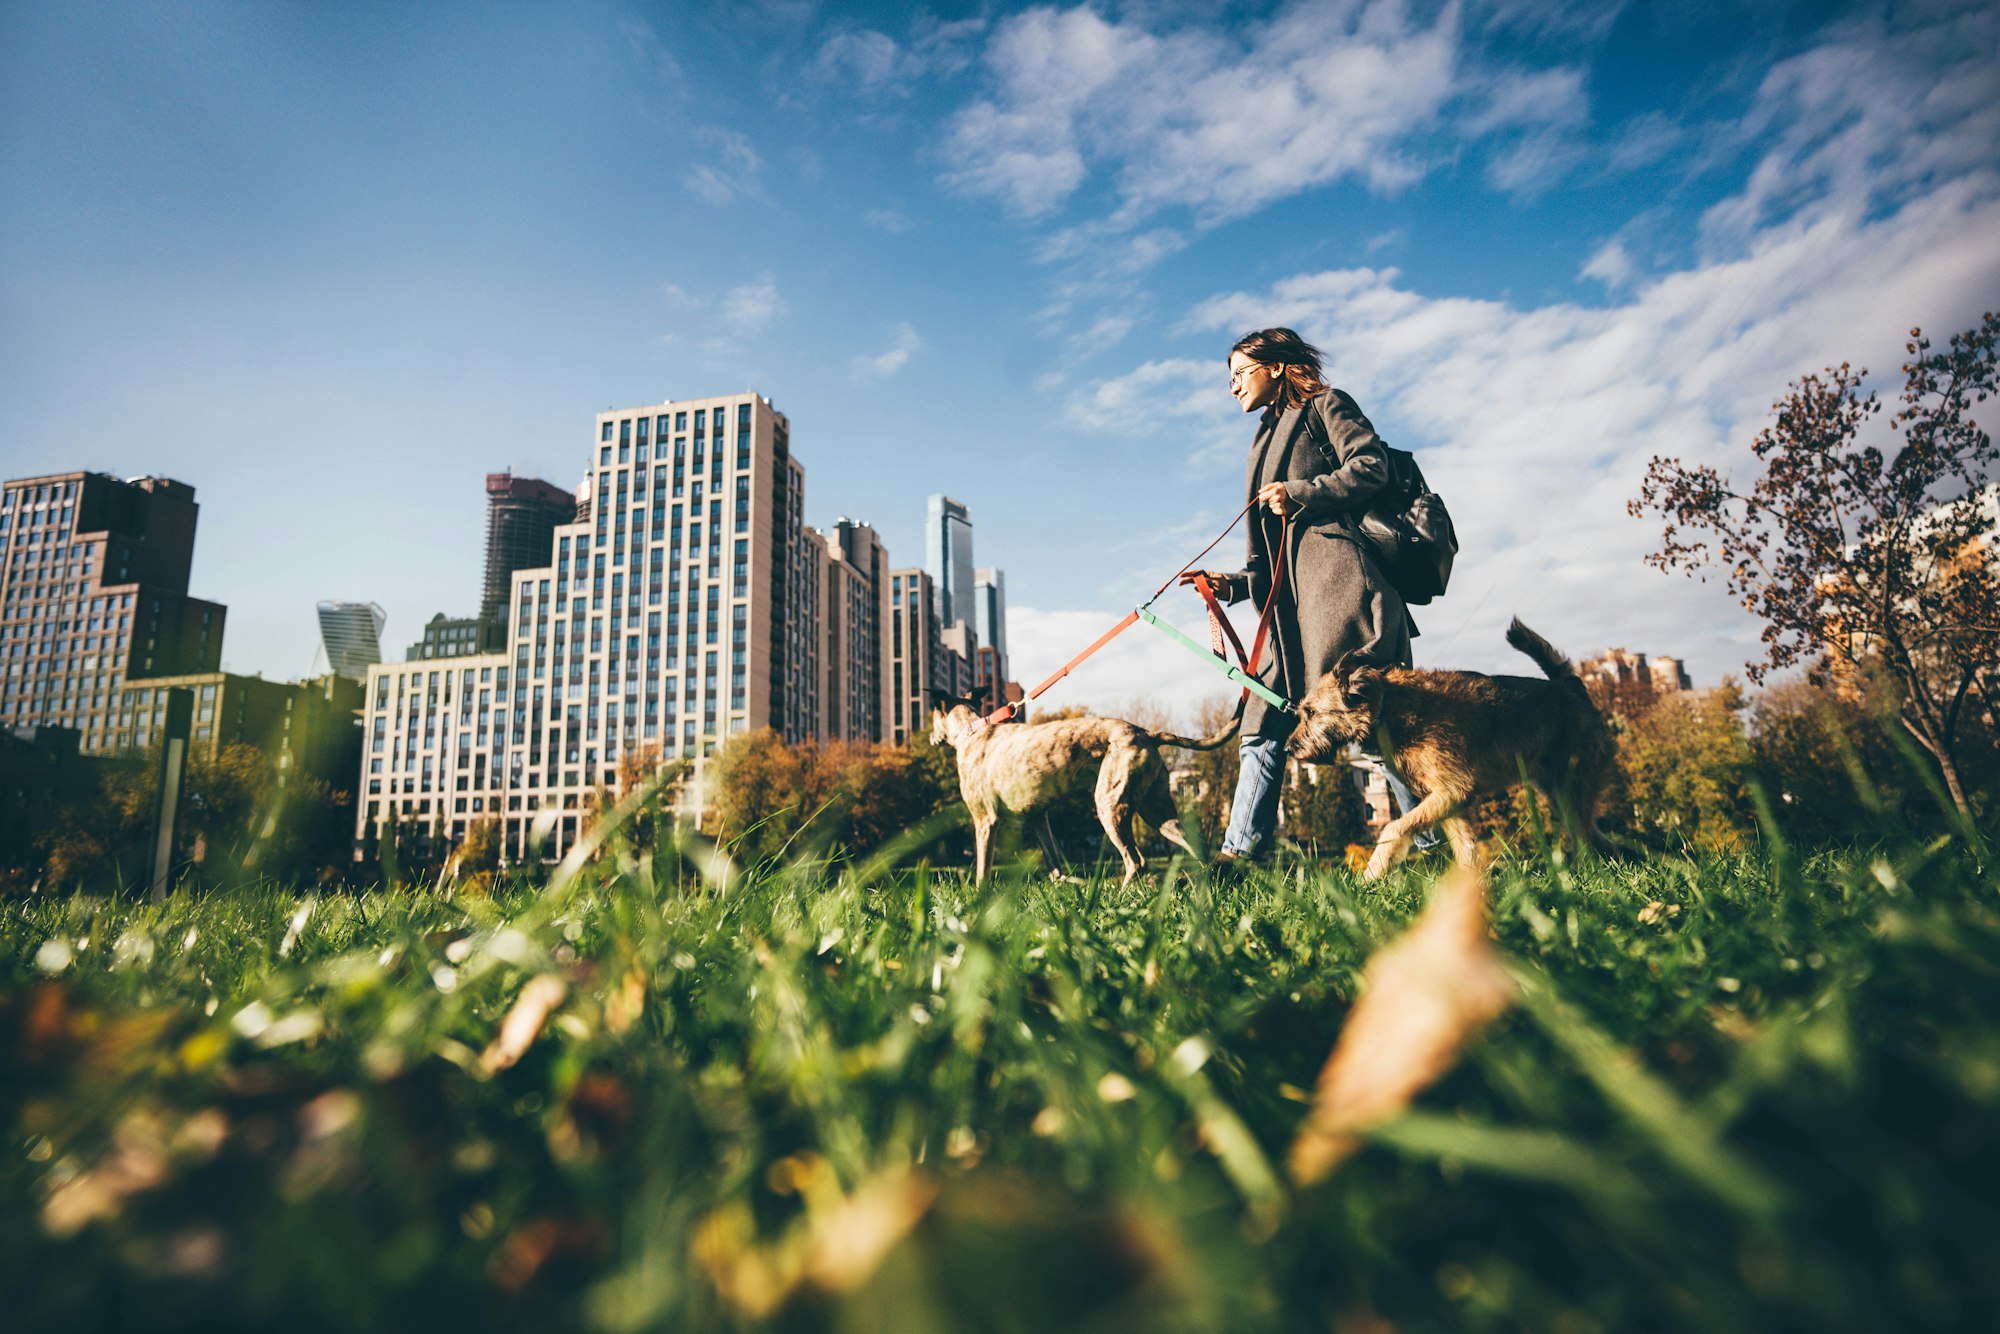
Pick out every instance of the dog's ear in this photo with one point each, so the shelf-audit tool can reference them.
(1362, 685)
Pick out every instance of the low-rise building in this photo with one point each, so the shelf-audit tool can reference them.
(310, 727)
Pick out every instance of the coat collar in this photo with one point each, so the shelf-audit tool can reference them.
(1281, 426)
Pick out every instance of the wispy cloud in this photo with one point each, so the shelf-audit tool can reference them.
(750, 308)
(1536, 120)
(1536, 421)
(732, 171)
(904, 345)
(891, 220)
(867, 61)
(1190, 118)
(1610, 265)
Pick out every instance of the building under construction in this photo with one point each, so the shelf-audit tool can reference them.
(522, 514)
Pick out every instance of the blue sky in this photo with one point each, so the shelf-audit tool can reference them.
(331, 264)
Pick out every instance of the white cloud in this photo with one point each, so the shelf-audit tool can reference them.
(1644, 140)
(732, 174)
(882, 365)
(1191, 117)
(1611, 265)
(653, 54)
(867, 61)
(750, 308)
(1133, 403)
(1538, 118)
(1544, 19)
(1868, 119)
(890, 220)
(1323, 91)
(1537, 422)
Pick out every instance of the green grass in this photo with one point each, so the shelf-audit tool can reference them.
(1739, 1094)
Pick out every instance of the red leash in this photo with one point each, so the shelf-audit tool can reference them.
(1218, 624)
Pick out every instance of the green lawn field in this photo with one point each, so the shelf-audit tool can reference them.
(1756, 1093)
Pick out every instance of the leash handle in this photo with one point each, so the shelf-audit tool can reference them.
(1218, 623)
(1006, 711)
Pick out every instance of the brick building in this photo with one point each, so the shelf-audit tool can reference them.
(93, 593)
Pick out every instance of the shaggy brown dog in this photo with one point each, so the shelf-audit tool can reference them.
(1019, 769)
(1452, 735)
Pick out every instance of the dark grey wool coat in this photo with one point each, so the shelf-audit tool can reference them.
(1334, 607)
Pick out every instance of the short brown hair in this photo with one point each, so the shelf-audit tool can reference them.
(1299, 360)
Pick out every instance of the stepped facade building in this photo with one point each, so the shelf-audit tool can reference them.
(678, 607)
(94, 593)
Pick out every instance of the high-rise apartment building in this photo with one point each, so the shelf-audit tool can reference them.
(93, 592)
(916, 650)
(522, 515)
(989, 620)
(948, 559)
(676, 609)
(855, 702)
(351, 633)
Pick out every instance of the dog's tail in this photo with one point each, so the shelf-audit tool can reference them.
(1205, 743)
(1553, 664)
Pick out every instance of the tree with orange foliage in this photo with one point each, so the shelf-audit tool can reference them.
(1853, 552)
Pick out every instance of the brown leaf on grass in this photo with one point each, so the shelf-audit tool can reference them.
(625, 1003)
(1423, 998)
(836, 1247)
(524, 1022)
(850, 1242)
(533, 1246)
(137, 1163)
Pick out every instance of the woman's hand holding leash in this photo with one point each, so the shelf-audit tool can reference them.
(1273, 496)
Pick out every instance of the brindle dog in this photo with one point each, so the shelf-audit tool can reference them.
(1453, 735)
(1017, 769)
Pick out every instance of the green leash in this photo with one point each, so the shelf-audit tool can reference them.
(1236, 674)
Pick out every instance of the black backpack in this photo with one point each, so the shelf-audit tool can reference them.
(1406, 526)
(1409, 531)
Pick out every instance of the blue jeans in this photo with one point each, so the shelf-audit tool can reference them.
(1253, 812)
(1260, 777)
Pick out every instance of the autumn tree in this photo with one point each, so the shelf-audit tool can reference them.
(1685, 766)
(1852, 550)
(1825, 758)
(647, 824)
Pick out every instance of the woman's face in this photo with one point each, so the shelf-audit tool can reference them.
(1254, 384)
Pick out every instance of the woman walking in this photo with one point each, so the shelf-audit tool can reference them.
(1315, 463)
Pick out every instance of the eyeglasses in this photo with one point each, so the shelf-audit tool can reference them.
(1244, 370)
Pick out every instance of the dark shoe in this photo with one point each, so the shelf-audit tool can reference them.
(1233, 863)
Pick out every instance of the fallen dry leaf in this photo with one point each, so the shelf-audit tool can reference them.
(524, 1022)
(136, 1163)
(626, 1002)
(850, 1242)
(1423, 998)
